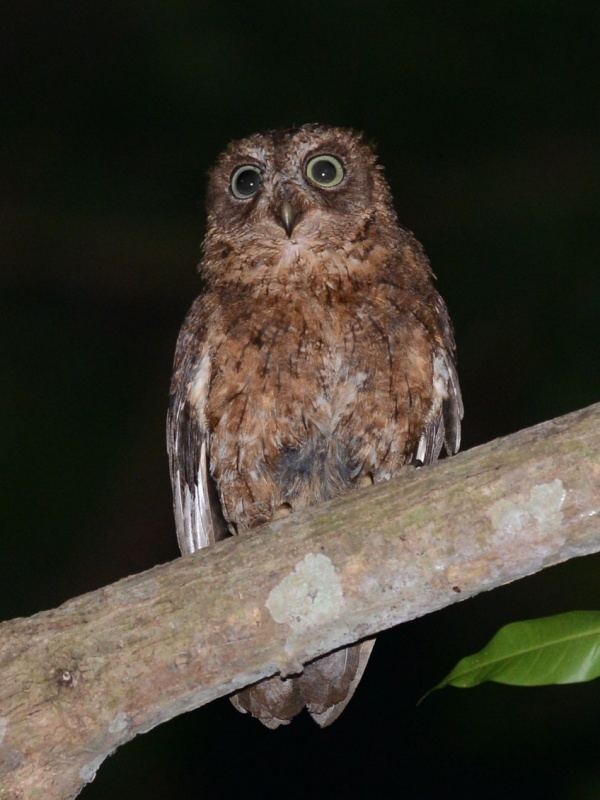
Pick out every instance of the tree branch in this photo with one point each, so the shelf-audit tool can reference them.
(82, 679)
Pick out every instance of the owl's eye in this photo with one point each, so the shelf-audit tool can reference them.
(326, 171)
(245, 182)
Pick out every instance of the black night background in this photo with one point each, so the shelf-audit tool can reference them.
(486, 117)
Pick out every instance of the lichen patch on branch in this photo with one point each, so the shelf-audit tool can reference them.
(309, 594)
(119, 723)
(541, 510)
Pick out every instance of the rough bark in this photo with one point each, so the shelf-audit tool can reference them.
(82, 679)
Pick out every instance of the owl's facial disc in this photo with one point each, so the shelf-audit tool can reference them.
(299, 187)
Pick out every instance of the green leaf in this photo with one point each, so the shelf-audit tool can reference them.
(561, 649)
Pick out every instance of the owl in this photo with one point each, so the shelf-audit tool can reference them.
(318, 358)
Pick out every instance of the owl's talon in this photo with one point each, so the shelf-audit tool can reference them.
(365, 480)
(283, 511)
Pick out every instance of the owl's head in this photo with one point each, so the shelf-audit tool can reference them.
(279, 194)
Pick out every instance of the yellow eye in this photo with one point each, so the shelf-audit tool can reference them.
(325, 171)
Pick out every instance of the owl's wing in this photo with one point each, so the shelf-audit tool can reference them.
(443, 425)
(198, 517)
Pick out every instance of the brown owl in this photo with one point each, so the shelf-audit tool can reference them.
(318, 358)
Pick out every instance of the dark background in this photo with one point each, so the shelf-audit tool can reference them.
(486, 117)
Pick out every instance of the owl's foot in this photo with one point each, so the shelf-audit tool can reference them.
(365, 480)
(284, 510)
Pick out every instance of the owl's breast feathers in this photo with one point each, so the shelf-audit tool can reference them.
(294, 402)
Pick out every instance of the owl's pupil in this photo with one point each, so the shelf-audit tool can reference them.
(324, 171)
(246, 182)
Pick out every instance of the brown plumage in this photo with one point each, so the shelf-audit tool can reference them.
(318, 357)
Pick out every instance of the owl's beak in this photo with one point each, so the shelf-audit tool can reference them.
(288, 216)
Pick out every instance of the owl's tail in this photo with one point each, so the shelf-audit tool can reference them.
(325, 688)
